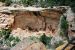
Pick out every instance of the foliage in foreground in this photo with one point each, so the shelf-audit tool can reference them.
(47, 41)
(63, 25)
(7, 39)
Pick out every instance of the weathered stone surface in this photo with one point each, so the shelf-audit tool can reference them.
(2, 47)
(36, 46)
(27, 44)
(2, 4)
(30, 20)
(62, 46)
(6, 20)
(26, 33)
(35, 20)
(52, 13)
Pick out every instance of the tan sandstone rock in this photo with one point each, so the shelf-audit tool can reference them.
(36, 46)
(6, 20)
(37, 20)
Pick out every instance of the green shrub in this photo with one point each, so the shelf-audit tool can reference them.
(28, 2)
(24, 2)
(63, 25)
(59, 43)
(12, 41)
(8, 2)
(33, 37)
(45, 40)
(2, 0)
(7, 39)
(5, 33)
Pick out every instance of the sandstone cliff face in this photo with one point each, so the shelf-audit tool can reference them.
(28, 20)
(31, 22)
(37, 20)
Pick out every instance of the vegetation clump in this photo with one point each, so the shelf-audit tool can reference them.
(7, 39)
(45, 40)
(63, 26)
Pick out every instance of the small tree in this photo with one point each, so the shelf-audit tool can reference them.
(45, 40)
(64, 27)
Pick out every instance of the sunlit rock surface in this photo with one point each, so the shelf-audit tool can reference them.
(62, 46)
(26, 33)
(36, 46)
(37, 20)
(27, 44)
(6, 20)
(2, 4)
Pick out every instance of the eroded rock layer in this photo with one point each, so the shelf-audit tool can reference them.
(37, 20)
